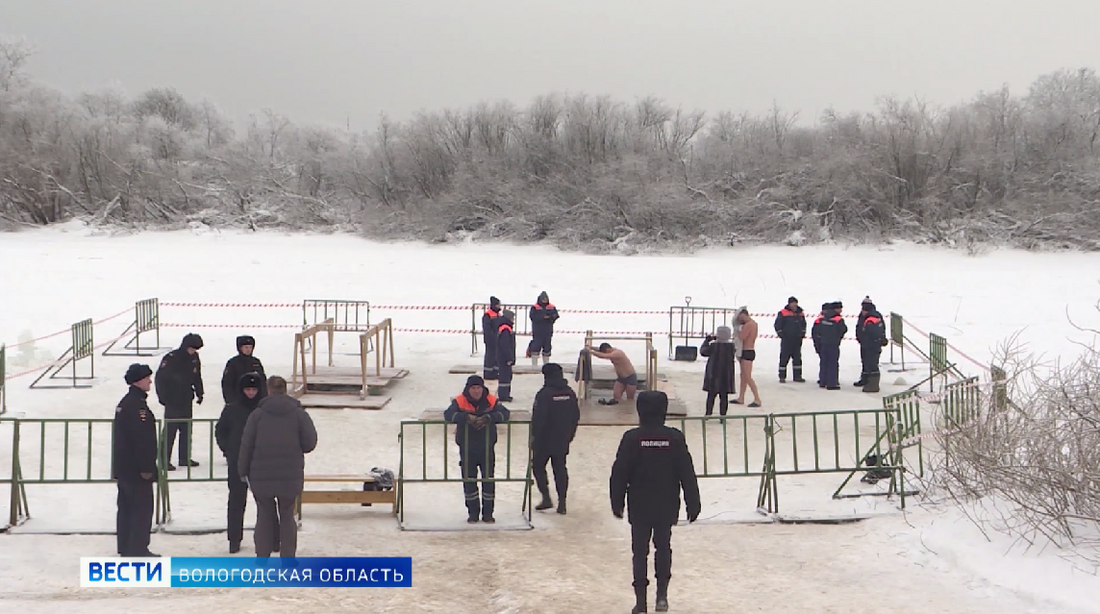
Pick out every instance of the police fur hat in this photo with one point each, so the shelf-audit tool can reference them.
(244, 340)
(652, 407)
(137, 372)
(191, 340)
(251, 380)
(552, 371)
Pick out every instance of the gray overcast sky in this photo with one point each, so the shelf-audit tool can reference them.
(328, 60)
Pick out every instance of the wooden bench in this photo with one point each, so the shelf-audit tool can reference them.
(345, 496)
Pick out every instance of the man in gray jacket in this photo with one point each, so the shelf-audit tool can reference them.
(277, 436)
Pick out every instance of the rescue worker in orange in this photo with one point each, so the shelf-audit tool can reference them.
(543, 316)
(506, 355)
(475, 414)
(871, 335)
(490, 322)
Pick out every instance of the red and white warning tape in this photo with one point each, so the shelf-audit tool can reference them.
(68, 330)
(637, 312)
(59, 362)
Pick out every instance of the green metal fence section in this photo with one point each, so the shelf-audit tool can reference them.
(58, 451)
(907, 404)
(83, 346)
(146, 320)
(3, 379)
(204, 450)
(768, 446)
(521, 327)
(430, 459)
(961, 403)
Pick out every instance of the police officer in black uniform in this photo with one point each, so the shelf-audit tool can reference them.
(240, 365)
(179, 381)
(554, 419)
(250, 390)
(651, 467)
(134, 463)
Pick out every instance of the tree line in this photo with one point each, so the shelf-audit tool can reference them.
(581, 171)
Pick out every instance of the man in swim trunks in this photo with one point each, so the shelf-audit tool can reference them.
(626, 379)
(749, 330)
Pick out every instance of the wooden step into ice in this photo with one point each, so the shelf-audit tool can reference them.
(342, 401)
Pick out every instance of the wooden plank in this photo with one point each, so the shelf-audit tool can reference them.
(349, 496)
(340, 478)
(348, 380)
(356, 372)
(332, 401)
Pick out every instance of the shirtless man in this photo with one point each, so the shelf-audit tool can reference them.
(626, 378)
(747, 335)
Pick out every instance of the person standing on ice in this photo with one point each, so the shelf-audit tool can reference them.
(790, 326)
(828, 331)
(543, 316)
(506, 355)
(276, 438)
(179, 382)
(554, 419)
(718, 379)
(251, 389)
(871, 335)
(134, 463)
(490, 322)
(653, 464)
(475, 414)
(236, 367)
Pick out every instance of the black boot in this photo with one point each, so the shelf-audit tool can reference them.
(639, 602)
(546, 503)
(871, 385)
(862, 380)
(561, 504)
(662, 596)
(234, 547)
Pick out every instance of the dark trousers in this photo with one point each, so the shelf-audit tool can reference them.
(723, 405)
(540, 344)
(184, 430)
(276, 528)
(640, 536)
(238, 501)
(504, 381)
(561, 474)
(869, 354)
(134, 520)
(490, 363)
(478, 459)
(790, 352)
(829, 372)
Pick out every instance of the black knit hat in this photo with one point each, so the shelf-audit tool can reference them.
(474, 380)
(137, 372)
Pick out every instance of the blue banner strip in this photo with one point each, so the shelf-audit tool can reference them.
(305, 572)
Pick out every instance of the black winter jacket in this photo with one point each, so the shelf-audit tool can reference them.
(134, 450)
(651, 467)
(554, 418)
(179, 380)
(229, 430)
(791, 325)
(719, 376)
(828, 331)
(462, 408)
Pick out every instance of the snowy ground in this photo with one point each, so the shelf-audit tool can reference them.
(733, 559)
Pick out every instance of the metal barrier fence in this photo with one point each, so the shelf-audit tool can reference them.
(83, 346)
(907, 403)
(961, 403)
(146, 320)
(767, 446)
(686, 322)
(521, 327)
(445, 466)
(204, 449)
